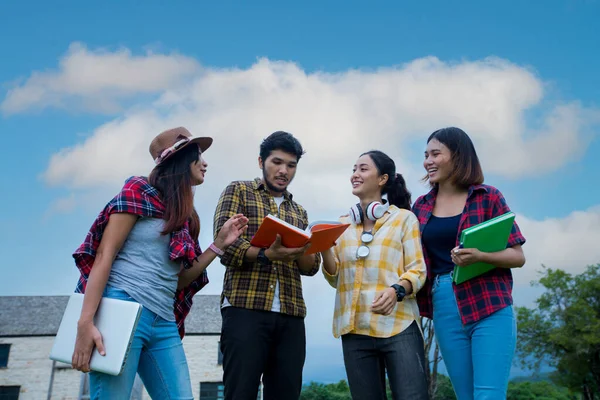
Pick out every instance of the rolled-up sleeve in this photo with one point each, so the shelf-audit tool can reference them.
(500, 207)
(230, 204)
(414, 269)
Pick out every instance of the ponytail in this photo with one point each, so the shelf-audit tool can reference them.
(397, 192)
(395, 187)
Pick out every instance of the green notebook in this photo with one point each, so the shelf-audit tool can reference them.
(489, 236)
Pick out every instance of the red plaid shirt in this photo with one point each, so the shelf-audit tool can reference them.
(140, 198)
(481, 296)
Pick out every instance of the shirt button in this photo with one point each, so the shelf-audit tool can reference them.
(274, 268)
(271, 286)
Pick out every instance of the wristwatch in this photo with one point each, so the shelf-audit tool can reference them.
(400, 291)
(262, 257)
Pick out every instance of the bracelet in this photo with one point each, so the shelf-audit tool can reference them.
(217, 250)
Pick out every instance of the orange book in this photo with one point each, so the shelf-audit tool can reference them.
(321, 234)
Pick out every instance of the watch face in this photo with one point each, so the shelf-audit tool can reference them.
(261, 256)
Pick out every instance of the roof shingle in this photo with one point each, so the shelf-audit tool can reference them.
(41, 315)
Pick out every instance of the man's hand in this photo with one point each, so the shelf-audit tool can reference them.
(277, 252)
(463, 257)
(384, 302)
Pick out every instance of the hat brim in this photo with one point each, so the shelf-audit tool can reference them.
(203, 143)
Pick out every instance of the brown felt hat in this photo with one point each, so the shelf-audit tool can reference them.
(171, 141)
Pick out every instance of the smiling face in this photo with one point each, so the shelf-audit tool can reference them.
(438, 162)
(365, 179)
(198, 170)
(278, 170)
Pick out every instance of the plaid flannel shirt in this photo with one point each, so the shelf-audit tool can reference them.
(251, 285)
(395, 254)
(138, 197)
(480, 296)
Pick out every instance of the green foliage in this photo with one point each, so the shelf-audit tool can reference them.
(564, 329)
(523, 388)
(321, 391)
(444, 390)
(540, 390)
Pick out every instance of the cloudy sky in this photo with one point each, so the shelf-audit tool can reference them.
(84, 90)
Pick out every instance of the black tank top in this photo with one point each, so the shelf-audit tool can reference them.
(439, 238)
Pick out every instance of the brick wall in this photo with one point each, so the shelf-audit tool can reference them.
(30, 367)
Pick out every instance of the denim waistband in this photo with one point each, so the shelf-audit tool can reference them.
(447, 277)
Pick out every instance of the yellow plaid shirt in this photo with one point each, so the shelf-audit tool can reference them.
(395, 254)
(250, 284)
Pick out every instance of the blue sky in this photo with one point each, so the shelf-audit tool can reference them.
(548, 59)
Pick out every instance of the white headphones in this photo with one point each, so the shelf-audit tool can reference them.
(374, 211)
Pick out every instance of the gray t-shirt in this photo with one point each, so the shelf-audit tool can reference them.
(144, 270)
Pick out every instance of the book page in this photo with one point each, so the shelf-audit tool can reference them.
(315, 224)
(282, 222)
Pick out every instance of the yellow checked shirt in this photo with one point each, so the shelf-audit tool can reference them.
(250, 284)
(395, 254)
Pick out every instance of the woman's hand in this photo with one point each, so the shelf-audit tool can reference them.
(231, 230)
(463, 257)
(384, 301)
(87, 336)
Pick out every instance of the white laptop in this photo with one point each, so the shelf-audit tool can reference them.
(115, 319)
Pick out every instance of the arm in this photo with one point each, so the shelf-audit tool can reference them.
(308, 264)
(511, 257)
(330, 267)
(230, 203)
(241, 251)
(118, 228)
(413, 273)
(228, 234)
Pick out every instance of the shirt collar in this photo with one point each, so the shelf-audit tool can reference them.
(258, 184)
(432, 195)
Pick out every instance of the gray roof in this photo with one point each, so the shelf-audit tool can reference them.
(41, 315)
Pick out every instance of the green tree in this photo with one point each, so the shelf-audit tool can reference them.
(564, 329)
(321, 391)
(443, 389)
(541, 390)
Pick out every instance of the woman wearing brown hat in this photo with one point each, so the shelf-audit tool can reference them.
(143, 247)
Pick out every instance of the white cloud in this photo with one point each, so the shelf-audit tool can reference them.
(337, 116)
(62, 205)
(570, 243)
(96, 80)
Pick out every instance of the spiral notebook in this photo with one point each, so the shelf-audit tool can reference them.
(115, 319)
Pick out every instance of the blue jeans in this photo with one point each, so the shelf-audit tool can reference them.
(156, 354)
(478, 355)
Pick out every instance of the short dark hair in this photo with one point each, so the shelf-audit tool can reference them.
(395, 187)
(467, 169)
(281, 140)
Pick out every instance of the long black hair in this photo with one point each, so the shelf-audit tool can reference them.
(395, 187)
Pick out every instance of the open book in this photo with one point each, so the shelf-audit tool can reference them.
(489, 236)
(321, 234)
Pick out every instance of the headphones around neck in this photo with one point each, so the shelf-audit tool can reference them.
(374, 211)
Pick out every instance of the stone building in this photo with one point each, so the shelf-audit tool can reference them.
(27, 328)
